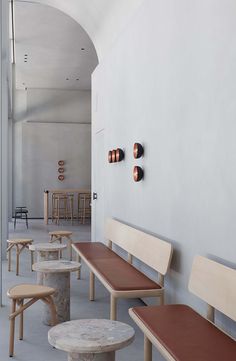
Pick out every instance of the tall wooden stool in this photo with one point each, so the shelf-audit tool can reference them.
(20, 245)
(84, 207)
(58, 236)
(70, 207)
(33, 293)
(59, 206)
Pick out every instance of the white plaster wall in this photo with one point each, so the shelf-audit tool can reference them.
(50, 125)
(169, 83)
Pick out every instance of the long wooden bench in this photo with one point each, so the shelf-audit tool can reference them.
(119, 276)
(179, 332)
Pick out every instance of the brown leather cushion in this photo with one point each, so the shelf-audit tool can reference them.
(186, 335)
(119, 274)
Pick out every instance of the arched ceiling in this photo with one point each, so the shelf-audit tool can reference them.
(101, 19)
(52, 49)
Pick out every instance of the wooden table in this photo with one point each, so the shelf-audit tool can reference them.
(48, 191)
(91, 340)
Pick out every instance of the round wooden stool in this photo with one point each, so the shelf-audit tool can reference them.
(93, 340)
(33, 293)
(58, 236)
(20, 245)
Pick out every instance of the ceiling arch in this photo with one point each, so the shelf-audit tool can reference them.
(101, 19)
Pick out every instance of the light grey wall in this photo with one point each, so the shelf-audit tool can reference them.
(169, 83)
(44, 133)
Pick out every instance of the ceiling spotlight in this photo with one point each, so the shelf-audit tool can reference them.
(83, 49)
(77, 79)
(67, 78)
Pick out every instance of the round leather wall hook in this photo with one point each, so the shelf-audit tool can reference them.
(110, 156)
(61, 170)
(120, 155)
(138, 150)
(61, 177)
(138, 173)
(61, 163)
(113, 156)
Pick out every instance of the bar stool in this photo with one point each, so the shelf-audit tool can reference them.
(84, 207)
(70, 207)
(20, 245)
(34, 293)
(59, 206)
(21, 213)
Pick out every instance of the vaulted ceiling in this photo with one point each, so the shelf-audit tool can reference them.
(59, 43)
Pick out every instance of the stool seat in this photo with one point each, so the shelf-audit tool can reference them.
(29, 291)
(20, 241)
(60, 233)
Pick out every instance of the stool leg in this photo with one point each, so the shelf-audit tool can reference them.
(70, 248)
(12, 330)
(9, 260)
(32, 259)
(15, 222)
(60, 240)
(147, 349)
(26, 220)
(17, 260)
(21, 327)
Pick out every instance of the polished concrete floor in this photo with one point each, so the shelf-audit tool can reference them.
(35, 345)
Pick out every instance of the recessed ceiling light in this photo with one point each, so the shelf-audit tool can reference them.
(25, 61)
(82, 48)
(77, 79)
(67, 78)
(23, 83)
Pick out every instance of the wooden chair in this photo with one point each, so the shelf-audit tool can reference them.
(70, 207)
(33, 293)
(20, 245)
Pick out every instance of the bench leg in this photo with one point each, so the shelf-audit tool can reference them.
(91, 287)
(78, 259)
(113, 303)
(147, 349)
(162, 299)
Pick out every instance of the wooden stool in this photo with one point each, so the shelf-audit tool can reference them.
(58, 236)
(70, 207)
(34, 293)
(84, 207)
(19, 244)
(59, 206)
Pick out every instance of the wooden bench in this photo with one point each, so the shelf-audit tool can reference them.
(119, 276)
(179, 332)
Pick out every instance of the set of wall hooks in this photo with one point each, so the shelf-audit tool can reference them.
(61, 170)
(117, 155)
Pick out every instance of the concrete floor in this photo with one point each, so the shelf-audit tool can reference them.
(35, 345)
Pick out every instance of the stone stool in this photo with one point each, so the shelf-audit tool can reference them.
(58, 236)
(19, 244)
(46, 252)
(91, 340)
(56, 274)
(33, 293)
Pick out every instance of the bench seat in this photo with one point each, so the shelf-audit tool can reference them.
(117, 273)
(184, 334)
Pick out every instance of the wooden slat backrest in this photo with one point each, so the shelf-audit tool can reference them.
(215, 284)
(151, 250)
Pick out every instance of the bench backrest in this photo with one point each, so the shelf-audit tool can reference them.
(151, 250)
(215, 284)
